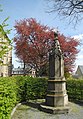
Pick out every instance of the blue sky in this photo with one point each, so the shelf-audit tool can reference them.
(20, 9)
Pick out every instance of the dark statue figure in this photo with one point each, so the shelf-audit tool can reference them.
(55, 58)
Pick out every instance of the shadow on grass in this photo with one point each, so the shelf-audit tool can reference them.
(34, 104)
(79, 102)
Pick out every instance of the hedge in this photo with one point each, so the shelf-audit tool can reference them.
(34, 88)
(20, 88)
(75, 89)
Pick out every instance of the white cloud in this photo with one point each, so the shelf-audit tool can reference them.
(55, 30)
(80, 57)
(78, 37)
(81, 49)
(79, 62)
(27, 23)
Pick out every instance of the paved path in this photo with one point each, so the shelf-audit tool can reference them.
(31, 112)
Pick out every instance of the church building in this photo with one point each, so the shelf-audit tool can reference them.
(6, 58)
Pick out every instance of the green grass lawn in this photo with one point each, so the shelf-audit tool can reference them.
(30, 112)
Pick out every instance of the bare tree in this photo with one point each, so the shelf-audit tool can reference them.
(68, 8)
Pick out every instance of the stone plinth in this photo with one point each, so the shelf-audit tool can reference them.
(54, 110)
(57, 98)
(56, 93)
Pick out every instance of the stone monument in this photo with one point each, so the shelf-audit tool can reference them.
(56, 98)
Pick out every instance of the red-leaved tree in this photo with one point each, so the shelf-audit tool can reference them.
(33, 42)
(70, 51)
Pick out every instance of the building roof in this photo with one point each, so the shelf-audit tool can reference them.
(17, 69)
(81, 68)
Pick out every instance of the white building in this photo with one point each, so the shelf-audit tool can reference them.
(6, 59)
(79, 72)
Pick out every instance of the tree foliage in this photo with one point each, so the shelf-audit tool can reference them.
(69, 49)
(33, 42)
(68, 8)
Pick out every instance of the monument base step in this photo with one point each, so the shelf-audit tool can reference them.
(54, 110)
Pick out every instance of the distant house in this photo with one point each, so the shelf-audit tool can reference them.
(32, 72)
(79, 71)
(20, 71)
(17, 71)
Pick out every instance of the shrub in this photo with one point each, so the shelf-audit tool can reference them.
(21, 88)
(7, 97)
(75, 89)
(36, 88)
(31, 88)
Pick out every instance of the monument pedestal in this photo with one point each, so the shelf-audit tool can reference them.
(56, 99)
(56, 93)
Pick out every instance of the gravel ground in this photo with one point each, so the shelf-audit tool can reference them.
(30, 111)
